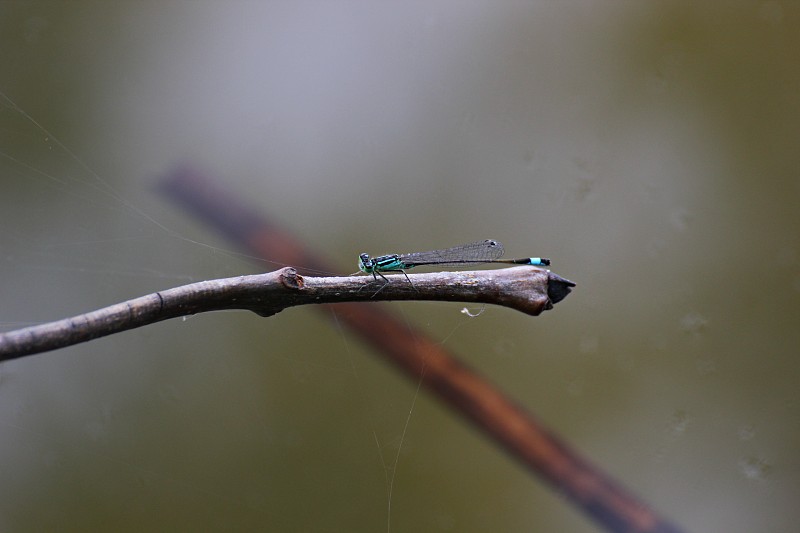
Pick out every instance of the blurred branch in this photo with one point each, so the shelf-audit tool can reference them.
(427, 361)
(530, 290)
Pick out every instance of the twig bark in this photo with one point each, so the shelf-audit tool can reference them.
(530, 290)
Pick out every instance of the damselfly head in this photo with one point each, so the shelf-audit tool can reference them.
(364, 262)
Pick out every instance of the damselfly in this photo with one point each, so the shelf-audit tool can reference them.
(486, 251)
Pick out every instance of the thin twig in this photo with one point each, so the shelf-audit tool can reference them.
(523, 288)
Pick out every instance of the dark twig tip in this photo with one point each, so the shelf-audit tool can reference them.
(558, 288)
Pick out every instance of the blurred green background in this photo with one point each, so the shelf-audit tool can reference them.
(651, 150)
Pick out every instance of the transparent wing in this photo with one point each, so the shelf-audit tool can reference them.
(474, 252)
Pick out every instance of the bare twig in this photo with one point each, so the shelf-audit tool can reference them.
(523, 288)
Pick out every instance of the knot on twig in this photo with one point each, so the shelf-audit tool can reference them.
(291, 279)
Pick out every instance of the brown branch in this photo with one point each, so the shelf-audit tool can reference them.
(466, 392)
(523, 288)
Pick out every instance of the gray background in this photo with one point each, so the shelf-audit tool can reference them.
(649, 150)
